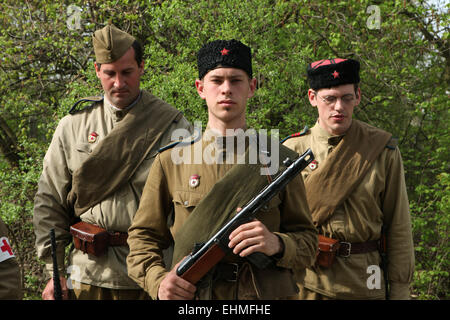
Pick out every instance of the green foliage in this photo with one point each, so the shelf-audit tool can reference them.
(431, 221)
(17, 189)
(47, 64)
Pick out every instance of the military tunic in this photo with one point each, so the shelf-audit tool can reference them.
(10, 280)
(75, 137)
(380, 198)
(170, 190)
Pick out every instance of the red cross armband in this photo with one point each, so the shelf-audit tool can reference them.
(5, 249)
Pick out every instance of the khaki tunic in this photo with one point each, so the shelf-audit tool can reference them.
(67, 151)
(381, 196)
(10, 279)
(168, 191)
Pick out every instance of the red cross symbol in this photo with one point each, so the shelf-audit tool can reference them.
(335, 74)
(6, 247)
(224, 52)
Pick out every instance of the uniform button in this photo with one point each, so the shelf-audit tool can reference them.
(186, 203)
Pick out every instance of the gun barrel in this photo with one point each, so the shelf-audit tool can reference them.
(57, 291)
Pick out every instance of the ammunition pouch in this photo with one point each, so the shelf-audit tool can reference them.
(95, 240)
(328, 248)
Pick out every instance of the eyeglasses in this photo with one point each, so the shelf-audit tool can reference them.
(331, 100)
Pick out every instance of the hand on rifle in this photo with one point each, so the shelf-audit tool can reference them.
(254, 237)
(173, 287)
(48, 293)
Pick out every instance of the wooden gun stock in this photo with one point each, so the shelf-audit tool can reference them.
(205, 263)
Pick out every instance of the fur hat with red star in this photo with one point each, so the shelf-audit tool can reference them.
(332, 72)
(224, 53)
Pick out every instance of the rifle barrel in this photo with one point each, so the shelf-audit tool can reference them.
(57, 291)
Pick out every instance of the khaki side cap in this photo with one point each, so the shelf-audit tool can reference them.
(110, 44)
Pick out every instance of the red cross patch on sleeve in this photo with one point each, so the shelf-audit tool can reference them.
(5, 249)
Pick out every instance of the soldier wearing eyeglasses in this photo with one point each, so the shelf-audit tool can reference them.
(356, 192)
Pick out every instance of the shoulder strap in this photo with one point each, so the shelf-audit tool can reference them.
(297, 134)
(93, 99)
(343, 170)
(185, 142)
(392, 143)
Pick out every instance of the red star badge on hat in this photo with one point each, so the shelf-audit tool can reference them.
(224, 52)
(335, 74)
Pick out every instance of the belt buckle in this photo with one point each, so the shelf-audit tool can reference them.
(348, 249)
(235, 272)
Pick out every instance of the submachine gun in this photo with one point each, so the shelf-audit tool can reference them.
(194, 266)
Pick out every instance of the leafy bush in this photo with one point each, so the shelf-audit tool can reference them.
(431, 223)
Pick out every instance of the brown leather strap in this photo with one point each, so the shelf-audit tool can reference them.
(118, 239)
(227, 271)
(347, 248)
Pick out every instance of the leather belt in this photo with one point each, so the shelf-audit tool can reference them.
(347, 248)
(227, 271)
(118, 238)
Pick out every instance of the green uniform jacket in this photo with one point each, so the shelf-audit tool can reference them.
(170, 188)
(10, 280)
(381, 196)
(71, 145)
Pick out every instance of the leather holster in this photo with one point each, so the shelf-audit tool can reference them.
(328, 248)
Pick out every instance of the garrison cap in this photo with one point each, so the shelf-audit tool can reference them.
(332, 72)
(224, 53)
(110, 44)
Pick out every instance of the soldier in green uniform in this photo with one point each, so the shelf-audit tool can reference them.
(95, 170)
(356, 192)
(174, 190)
(10, 279)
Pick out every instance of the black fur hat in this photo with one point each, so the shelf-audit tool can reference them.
(332, 72)
(224, 53)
